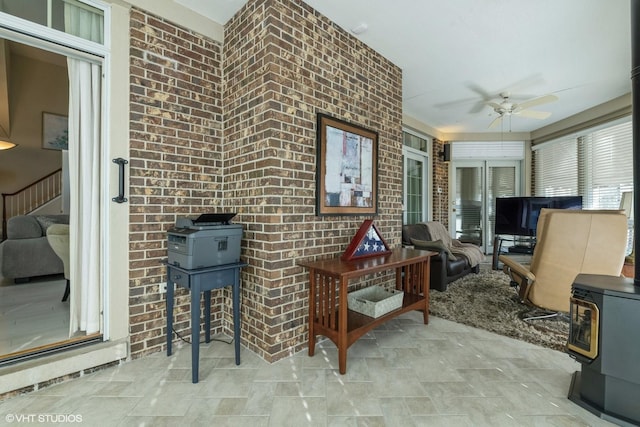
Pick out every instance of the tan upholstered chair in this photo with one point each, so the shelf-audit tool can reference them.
(58, 238)
(569, 242)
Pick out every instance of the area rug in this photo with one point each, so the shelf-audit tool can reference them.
(487, 301)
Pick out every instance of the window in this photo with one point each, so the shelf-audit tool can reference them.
(596, 164)
(414, 141)
(556, 169)
(416, 178)
(69, 16)
(606, 166)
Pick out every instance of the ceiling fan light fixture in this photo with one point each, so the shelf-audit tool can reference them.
(506, 108)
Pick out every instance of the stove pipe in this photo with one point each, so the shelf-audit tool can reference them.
(635, 117)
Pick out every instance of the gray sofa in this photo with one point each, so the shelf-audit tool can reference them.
(26, 252)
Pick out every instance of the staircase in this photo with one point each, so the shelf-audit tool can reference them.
(31, 197)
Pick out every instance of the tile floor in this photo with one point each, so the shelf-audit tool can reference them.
(401, 374)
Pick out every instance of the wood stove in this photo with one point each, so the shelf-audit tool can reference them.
(604, 336)
(585, 321)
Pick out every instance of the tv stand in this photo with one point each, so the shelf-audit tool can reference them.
(520, 249)
(526, 249)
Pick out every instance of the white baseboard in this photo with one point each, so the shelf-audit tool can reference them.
(41, 370)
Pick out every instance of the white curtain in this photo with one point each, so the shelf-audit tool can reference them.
(84, 170)
(83, 21)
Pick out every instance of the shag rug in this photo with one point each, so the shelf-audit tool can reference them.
(487, 301)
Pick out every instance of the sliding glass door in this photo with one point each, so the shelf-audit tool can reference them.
(467, 202)
(476, 185)
(502, 181)
(58, 125)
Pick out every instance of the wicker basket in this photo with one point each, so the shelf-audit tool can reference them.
(374, 301)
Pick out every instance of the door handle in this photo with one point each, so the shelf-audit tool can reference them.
(120, 162)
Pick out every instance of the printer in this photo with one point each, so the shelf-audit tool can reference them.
(207, 241)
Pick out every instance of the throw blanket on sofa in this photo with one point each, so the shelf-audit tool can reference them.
(471, 252)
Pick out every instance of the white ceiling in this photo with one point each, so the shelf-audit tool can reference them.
(458, 54)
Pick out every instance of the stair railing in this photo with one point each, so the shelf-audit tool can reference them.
(31, 197)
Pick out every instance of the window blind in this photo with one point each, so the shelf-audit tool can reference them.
(606, 166)
(556, 168)
(596, 165)
(488, 150)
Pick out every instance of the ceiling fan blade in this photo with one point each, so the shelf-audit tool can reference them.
(496, 122)
(533, 114)
(477, 107)
(456, 103)
(484, 95)
(494, 105)
(537, 101)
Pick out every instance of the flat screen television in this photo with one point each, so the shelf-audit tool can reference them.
(518, 216)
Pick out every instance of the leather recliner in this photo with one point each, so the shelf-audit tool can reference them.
(450, 263)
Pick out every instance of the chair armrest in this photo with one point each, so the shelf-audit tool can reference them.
(517, 268)
(519, 274)
(439, 256)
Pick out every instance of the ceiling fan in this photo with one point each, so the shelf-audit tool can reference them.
(508, 108)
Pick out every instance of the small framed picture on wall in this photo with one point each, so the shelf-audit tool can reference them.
(55, 131)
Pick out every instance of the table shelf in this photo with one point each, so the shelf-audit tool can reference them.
(359, 324)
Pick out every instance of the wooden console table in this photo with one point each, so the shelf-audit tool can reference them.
(328, 285)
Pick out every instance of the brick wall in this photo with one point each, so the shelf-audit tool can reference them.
(175, 160)
(284, 63)
(440, 181)
(232, 128)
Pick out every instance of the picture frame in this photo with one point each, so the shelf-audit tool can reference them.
(55, 131)
(347, 168)
(367, 242)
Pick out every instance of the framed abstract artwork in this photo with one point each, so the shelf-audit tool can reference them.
(347, 168)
